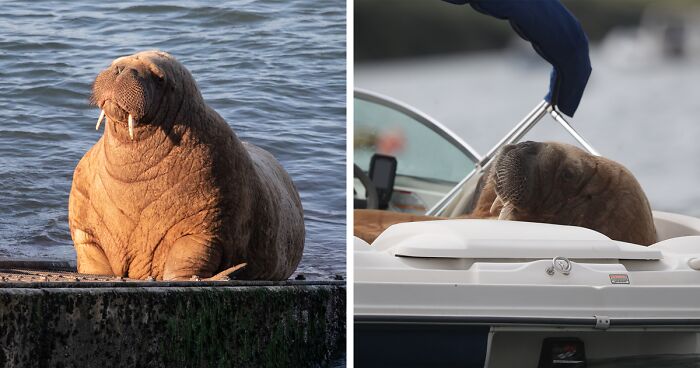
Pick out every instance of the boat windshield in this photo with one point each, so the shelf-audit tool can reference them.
(430, 159)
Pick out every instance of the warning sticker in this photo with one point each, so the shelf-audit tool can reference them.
(619, 278)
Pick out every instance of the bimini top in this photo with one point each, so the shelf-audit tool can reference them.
(481, 239)
(556, 35)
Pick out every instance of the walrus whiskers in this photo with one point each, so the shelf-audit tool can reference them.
(131, 127)
(99, 120)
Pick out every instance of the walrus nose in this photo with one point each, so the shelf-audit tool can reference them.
(527, 147)
(508, 147)
(123, 70)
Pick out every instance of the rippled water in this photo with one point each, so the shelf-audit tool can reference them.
(275, 70)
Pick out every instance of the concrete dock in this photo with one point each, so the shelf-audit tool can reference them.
(125, 323)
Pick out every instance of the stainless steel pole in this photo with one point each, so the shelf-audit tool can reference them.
(524, 126)
(560, 119)
(514, 135)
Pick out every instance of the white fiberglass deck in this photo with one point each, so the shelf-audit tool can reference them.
(491, 271)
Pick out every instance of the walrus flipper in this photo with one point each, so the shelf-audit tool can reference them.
(228, 273)
(192, 255)
(91, 258)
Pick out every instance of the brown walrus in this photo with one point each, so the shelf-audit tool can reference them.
(170, 192)
(552, 183)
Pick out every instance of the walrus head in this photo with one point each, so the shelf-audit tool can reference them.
(133, 89)
(562, 184)
(540, 179)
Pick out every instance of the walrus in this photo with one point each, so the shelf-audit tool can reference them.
(170, 192)
(553, 183)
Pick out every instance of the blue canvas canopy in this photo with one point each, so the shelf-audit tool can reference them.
(556, 35)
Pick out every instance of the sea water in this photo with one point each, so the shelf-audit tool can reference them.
(275, 70)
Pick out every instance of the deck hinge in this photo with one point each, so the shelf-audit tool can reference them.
(602, 322)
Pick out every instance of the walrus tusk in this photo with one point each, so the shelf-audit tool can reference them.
(506, 212)
(131, 127)
(99, 120)
(494, 206)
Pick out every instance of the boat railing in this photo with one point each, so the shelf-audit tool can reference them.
(515, 135)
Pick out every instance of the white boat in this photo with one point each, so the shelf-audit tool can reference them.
(487, 293)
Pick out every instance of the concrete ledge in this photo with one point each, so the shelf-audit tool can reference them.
(152, 324)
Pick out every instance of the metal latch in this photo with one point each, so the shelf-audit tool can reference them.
(561, 264)
(602, 322)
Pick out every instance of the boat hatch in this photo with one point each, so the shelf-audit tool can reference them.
(488, 239)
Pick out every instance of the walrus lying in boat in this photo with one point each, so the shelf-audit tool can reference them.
(552, 183)
(170, 192)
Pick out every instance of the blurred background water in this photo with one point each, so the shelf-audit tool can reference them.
(275, 70)
(477, 77)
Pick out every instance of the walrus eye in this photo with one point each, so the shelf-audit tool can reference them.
(567, 174)
(158, 78)
(157, 74)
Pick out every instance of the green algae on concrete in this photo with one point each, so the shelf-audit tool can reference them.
(275, 325)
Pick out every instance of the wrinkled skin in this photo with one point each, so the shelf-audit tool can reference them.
(550, 183)
(561, 184)
(184, 197)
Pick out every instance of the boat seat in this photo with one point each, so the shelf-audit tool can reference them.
(672, 225)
